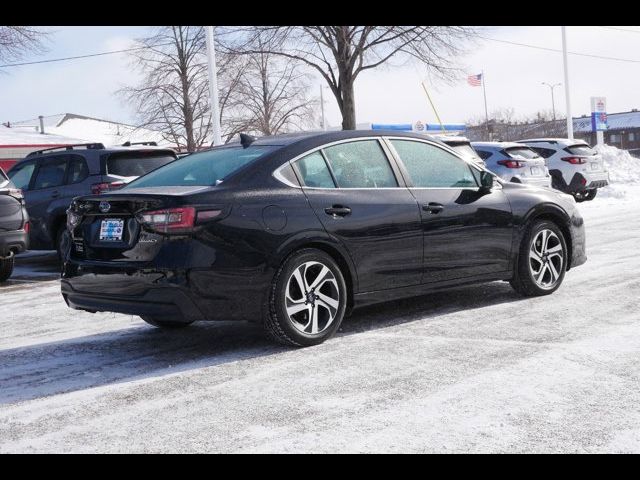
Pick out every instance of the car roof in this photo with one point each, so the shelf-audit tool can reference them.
(451, 139)
(497, 144)
(559, 141)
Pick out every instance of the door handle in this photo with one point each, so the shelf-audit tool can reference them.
(55, 194)
(433, 207)
(338, 211)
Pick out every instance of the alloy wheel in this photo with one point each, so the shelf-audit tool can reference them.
(546, 259)
(312, 298)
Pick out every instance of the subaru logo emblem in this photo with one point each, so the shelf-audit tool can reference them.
(104, 207)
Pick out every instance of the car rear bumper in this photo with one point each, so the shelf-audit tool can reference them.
(13, 242)
(588, 181)
(578, 241)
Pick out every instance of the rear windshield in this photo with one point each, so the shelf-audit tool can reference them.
(464, 149)
(584, 150)
(136, 164)
(4, 181)
(203, 169)
(521, 152)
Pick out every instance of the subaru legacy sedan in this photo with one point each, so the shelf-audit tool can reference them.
(295, 231)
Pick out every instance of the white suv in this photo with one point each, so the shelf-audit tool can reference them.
(574, 166)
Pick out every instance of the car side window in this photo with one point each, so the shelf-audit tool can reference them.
(360, 164)
(543, 152)
(314, 171)
(51, 173)
(483, 154)
(78, 170)
(432, 167)
(20, 176)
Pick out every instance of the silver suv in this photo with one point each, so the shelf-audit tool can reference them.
(574, 166)
(514, 162)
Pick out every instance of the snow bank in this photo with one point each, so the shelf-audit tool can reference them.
(624, 171)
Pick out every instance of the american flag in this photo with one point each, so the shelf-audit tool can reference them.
(475, 80)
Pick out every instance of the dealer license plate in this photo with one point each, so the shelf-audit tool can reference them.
(111, 230)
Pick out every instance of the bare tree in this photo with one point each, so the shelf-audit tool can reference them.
(16, 41)
(274, 94)
(173, 96)
(341, 53)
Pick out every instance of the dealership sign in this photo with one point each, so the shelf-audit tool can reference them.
(598, 114)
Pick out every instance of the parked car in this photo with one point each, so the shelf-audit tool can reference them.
(14, 225)
(463, 147)
(296, 230)
(574, 166)
(50, 178)
(514, 162)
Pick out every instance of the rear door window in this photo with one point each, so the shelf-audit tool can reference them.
(136, 164)
(581, 149)
(314, 171)
(78, 169)
(51, 173)
(360, 164)
(483, 154)
(21, 175)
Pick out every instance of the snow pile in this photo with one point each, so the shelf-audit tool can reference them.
(624, 170)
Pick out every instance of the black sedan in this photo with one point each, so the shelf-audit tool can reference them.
(294, 231)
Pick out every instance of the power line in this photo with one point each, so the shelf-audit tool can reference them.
(621, 29)
(82, 56)
(538, 47)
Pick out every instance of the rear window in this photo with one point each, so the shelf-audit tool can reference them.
(136, 164)
(204, 168)
(4, 180)
(521, 152)
(580, 149)
(464, 149)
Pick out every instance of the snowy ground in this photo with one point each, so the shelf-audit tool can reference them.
(479, 369)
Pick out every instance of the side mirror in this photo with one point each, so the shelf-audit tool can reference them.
(486, 181)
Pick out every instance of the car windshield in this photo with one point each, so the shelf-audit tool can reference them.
(202, 169)
(464, 149)
(523, 153)
(581, 149)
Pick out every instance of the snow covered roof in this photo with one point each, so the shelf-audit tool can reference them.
(616, 121)
(89, 129)
(29, 137)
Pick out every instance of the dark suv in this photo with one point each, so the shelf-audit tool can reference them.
(50, 179)
(14, 225)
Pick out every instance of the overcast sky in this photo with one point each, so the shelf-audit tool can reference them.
(388, 95)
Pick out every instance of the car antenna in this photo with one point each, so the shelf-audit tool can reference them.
(246, 140)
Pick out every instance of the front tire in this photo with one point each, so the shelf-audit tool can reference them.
(542, 260)
(6, 268)
(167, 324)
(308, 299)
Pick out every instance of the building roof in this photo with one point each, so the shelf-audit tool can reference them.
(21, 137)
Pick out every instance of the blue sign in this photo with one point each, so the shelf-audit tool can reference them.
(599, 121)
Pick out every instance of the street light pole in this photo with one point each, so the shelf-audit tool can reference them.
(213, 87)
(553, 103)
(566, 83)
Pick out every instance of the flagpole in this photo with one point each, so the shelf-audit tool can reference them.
(486, 110)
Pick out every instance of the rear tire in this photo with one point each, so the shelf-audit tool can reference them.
(542, 260)
(308, 299)
(168, 324)
(6, 268)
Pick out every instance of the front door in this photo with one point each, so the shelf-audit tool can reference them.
(467, 231)
(355, 193)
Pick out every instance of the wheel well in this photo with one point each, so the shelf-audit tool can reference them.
(342, 263)
(564, 228)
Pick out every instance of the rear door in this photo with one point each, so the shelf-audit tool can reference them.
(46, 187)
(467, 232)
(359, 197)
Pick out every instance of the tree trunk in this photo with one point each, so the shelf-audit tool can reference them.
(348, 105)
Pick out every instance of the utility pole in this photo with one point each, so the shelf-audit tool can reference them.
(324, 124)
(566, 83)
(553, 103)
(213, 87)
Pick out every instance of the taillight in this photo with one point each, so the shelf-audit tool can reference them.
(511, 163)
(98, 188)
(177, 220)
(171, 220)
(574, 160)
(26, 227)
